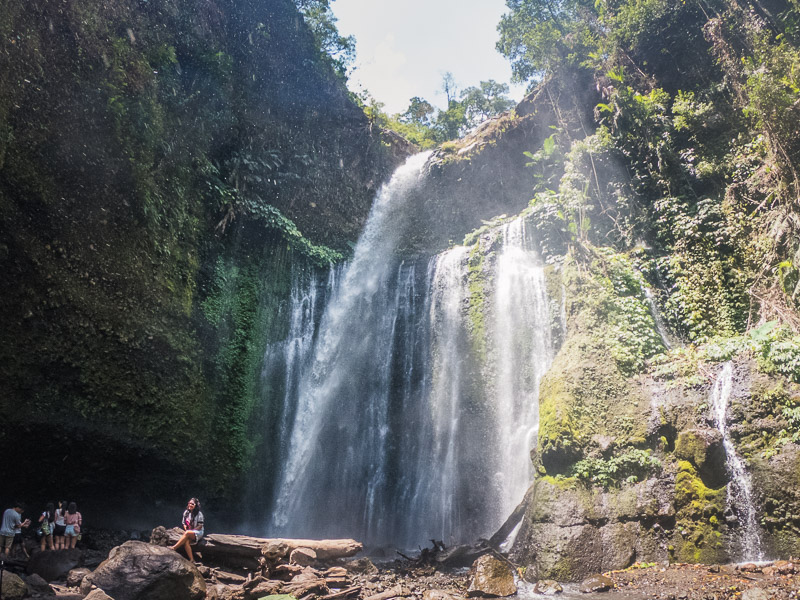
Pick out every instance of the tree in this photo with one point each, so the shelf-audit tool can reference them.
(485, 102)
(419, 112)
(539, 35)
(338, 50)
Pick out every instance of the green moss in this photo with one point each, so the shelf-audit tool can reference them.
(478, 282)
(698, 512)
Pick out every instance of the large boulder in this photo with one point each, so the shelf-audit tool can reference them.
(703, 448)
(491, 577)
(13, 587)
(139, 571)
(54, 565)
(38, 586)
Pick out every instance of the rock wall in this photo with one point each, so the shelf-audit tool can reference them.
(164, 167)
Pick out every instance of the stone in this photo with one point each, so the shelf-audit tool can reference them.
(265, 588)
(303, 556)
(54, 565)
(703, 448)
(755, 594)
(491, 577)
(596, 583)
(75, 576)
(275, 550)
(140, 571)
(437, 595)
(38, 586)
(13, 587)
(548, 587)
(98, 595)
(362, 566)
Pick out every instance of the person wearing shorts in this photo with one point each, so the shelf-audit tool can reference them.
(193, 528)
(72, 525)
(11, 529)
(60, 526)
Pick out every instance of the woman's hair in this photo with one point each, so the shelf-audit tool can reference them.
(196, 506)
(72, 508)
(51, 511)
(63, 506)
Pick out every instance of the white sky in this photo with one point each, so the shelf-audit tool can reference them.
(403, 47)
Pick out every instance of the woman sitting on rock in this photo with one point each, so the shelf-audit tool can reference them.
(192, 528)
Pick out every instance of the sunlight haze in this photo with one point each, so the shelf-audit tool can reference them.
(404, 48)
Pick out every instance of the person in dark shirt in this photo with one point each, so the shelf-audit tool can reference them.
(193, 528)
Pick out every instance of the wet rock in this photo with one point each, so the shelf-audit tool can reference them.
(303, 556)
(135, 571)
(596, 583)
(548, 587)
(53, 565)
(703, 448)
(13, 587)
(38, 586)
(491, 577)
(75, 576)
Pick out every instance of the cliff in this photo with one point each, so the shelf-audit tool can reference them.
(165, 167)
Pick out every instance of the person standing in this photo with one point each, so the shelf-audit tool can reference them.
(73, 521)
(60, 526)
(11, 529)
(47, 523)
(193, 528)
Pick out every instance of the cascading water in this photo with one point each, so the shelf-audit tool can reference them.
(396, 423)
(524, 350)
(740, 497)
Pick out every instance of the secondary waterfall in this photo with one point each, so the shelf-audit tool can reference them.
(740, 497)
(414, 410)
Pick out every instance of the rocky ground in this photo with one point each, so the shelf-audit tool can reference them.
(387, 579)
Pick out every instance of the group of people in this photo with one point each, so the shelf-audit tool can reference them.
(58, 528)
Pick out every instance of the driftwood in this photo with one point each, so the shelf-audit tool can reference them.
(245, 551)
(512, 521)
(395, 592)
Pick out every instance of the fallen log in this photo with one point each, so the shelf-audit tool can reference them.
(245, 551)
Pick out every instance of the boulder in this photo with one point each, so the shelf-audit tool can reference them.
(140, 571)
(491, 577)
(703, 448)
(275, 550)
(755, 594)
(303, 556)
(75, 576)
(98, 595)
(361, 566)
(547, 587)
(596, 583)
(38, 586)
(54, 565)
(13, 587)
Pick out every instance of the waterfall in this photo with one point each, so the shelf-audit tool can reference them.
(740, 497)
(524, 351)
(396, 429)
(662, 331)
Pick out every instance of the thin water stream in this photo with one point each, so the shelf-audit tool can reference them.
(740, 495)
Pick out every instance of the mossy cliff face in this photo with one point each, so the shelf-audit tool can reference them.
(164, 166)
(630, 465)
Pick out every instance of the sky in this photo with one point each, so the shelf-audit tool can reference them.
(404, 47)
